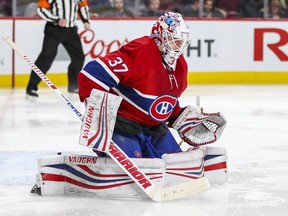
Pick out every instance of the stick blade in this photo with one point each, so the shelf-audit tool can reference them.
(180, 191)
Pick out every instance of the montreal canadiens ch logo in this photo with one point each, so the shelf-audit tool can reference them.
(162, 107)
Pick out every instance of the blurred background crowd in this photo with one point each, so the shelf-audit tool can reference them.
(273, 9)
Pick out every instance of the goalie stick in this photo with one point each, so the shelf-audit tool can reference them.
(125, 163)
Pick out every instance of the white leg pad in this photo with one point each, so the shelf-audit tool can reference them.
(90, 175)
(215, 164)
(183, 166)
(45, 166)
(82, 174)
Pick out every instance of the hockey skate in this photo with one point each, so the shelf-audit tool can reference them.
(31, 93)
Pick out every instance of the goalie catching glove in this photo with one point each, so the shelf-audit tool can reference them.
(197, 128)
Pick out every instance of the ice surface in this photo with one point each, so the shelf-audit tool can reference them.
(255, 139)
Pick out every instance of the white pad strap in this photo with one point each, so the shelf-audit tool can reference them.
(99, 120)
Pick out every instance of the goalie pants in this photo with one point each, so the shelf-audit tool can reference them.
(69, 38)
(145, 145)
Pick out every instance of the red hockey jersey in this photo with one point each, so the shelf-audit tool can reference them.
(137, 73)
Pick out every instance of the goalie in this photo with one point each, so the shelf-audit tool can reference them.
(132, 96)
(150, 74)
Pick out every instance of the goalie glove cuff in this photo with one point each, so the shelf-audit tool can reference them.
(188, 118)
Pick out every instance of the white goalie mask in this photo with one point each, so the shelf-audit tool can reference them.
(171, 34)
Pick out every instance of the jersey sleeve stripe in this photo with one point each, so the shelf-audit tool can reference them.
(83, 3)
(108, 70)
(107, 88)
(130, 101)
(145, 95)
(46, 15)
(84, 14)
(44, 4)
(100, 73)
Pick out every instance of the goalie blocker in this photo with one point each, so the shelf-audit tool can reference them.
(90, 175)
